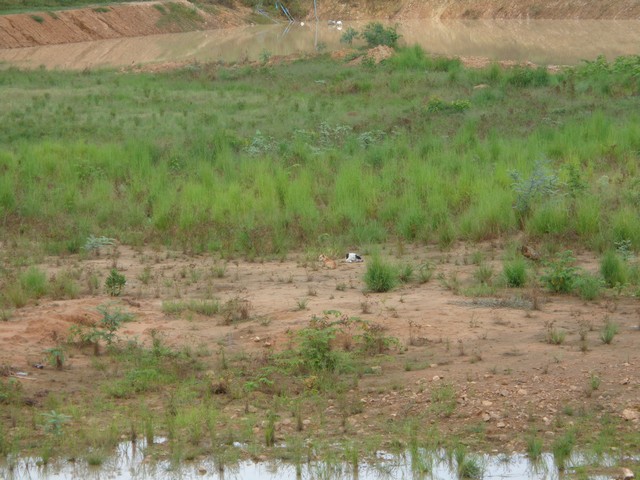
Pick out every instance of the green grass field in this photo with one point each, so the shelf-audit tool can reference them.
(260, 161)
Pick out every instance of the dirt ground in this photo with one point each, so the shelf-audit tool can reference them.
(140, 19)
(492, 350)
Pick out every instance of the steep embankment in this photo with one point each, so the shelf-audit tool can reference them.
(115, 21)
(139, 19)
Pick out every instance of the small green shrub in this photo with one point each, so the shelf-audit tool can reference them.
(376, 34)
(555, 336)
(528, 77)
(609, 331)
(406, 273)
(436, 104)
(425, 272)
(541, 184)
(349, 35)
(54, 422)
(64, 286)
(483, 274)
(94, 244)
(56, 357)
(34, 283)
(534, 447)
(208, 308)
(37, 18)
(561, 274)
(380, 276)
(588, 286)
(115, 283)
(10, 391)
(613, 269)
(515, 272)
(315, 348)
(562, 448)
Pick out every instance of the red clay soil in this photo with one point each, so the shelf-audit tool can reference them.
(494, 351)
(88, 24)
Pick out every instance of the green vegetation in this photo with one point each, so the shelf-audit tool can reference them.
(115, 283)
(609, 331)
(515, 272)
(561, 274)
(260, 161)
(380, 276)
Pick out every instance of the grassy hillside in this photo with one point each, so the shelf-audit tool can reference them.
(262, 160)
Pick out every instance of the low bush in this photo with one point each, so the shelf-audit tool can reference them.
(376, 34)
(588, 286)
(380, 276)
(613, 269)
(515, 272)
(561, 274)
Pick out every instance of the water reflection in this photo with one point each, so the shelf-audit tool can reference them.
(538, 41)
(130, 462)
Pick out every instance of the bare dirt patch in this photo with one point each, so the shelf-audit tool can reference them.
(493, 351)
(115, 21)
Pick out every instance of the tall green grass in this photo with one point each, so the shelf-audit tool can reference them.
(264, 160)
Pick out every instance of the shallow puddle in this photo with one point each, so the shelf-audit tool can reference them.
(539, 41)
(129, 462)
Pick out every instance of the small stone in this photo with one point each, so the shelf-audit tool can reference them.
(573, 388)
(626, 474)
(522, 391)
(377, 370)
(306, 422)
(202, 471)
(433, 365)
(504, 393)
(486, 403)
(486, 417)
(625, 381)
(256, 339)
(630, 415)
(500, 425)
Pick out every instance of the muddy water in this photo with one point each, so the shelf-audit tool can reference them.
(129, 462)
(539, 41)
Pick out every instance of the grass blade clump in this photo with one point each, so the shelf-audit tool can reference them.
(613, 269)
(588, 286)
(515, 272)
(380, 276)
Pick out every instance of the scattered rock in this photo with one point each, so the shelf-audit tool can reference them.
(500, 425)
(436, 378)
(625, 474)
(486, 403)
(630, 415)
